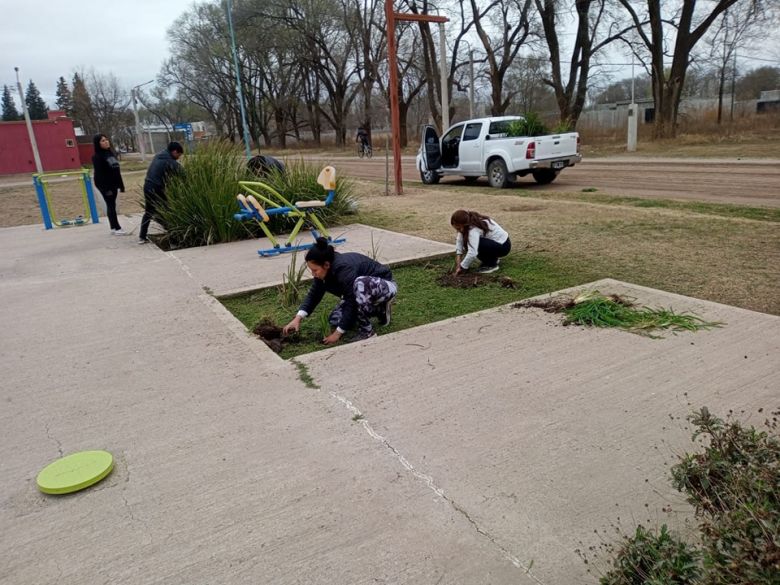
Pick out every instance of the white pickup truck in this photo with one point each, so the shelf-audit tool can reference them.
(481, 147)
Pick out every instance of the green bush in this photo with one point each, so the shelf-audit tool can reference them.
(734, 487)
(647, 558)
(299, 183)
(201, 202)
(530, 125)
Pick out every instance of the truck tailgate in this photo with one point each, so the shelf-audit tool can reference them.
(556, 145)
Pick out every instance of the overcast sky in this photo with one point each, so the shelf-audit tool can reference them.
(49, 39)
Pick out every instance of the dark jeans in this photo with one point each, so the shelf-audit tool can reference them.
(110, 198)
(151, 201)
(490, 251)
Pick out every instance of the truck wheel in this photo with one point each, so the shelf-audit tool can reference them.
(429, 177)
(497, 175)
(544, 176)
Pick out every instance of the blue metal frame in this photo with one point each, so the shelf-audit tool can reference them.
(43, 202)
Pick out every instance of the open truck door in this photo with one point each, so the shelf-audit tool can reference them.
(430, 151)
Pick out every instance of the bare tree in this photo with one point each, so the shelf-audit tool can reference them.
(109, 104)
(653, 29)
(590, 16)
(739, 27)
(511, 28)
(370, 49)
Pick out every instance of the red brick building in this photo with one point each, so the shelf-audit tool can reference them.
(56, 145)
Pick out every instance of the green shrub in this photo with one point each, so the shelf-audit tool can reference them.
(530, 125)
(201, 202)
(299, 183)
(562, 127)
(734, 487)
(647, 558)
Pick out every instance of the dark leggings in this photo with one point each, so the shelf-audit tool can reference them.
(490, 251)
(151, 201)
(110, 198)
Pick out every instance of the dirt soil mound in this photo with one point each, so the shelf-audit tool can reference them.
(451, 280)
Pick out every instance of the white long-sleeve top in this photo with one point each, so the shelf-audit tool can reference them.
(495, 233)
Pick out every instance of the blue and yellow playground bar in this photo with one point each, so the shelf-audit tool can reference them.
(41, 182)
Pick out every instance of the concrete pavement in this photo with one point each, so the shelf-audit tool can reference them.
(490, 442)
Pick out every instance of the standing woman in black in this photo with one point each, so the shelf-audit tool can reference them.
(108, 179)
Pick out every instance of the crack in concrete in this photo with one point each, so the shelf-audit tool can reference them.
(59, 445)
(429, 482)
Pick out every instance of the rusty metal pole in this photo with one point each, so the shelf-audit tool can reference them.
(393, 90)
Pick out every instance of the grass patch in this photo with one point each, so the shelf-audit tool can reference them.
(304, 376)
(769, 214)
(597, 310)
(421, 299)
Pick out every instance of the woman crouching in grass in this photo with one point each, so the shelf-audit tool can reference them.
(479, 237)
(366, 289)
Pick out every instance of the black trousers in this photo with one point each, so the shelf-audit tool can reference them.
(151, 201)
(110, 198)
(490, 251)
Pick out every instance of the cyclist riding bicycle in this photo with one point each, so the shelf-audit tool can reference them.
(362, 138)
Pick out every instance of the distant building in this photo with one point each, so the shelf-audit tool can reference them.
(769, 101)
(56, 145)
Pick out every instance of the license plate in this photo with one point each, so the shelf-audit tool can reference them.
(558, 164)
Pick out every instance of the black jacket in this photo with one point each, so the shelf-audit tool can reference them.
(163, 166)
(107, 174)
(340, 281)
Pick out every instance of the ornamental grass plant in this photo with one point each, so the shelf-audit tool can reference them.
(201, 201)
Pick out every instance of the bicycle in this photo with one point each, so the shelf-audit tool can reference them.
(365, 150)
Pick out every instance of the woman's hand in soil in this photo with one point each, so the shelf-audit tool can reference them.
(332, 338)
(294, 325)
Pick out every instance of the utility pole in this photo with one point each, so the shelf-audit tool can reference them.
(30, 132)
(733, 83)
(229, 8)
(632, 115)
(445, 99)
(138, 130)
(471, 83)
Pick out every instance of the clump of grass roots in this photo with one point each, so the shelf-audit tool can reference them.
(598, 310)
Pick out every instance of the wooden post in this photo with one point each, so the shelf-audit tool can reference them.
(393, 88)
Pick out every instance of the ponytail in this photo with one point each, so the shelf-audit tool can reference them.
(321, 252)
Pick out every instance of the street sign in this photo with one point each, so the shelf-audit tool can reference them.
(185, 127)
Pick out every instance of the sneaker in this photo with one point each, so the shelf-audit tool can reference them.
(363, 335)
(487, 269)
(119, 232)
(143, 241)
(385, 313)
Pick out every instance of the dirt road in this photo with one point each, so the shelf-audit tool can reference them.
(742, 182)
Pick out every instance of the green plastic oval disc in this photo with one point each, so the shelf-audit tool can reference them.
(75, 472)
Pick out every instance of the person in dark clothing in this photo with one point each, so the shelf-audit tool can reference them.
(366, 289)
(362, 137)
(164, 164)
(263, 165)
(108, 179)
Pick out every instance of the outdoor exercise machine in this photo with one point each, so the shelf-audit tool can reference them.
(41, 182)
(276, 204)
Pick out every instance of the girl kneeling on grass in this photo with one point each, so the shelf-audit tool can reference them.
(479, 237)
(366, 288)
